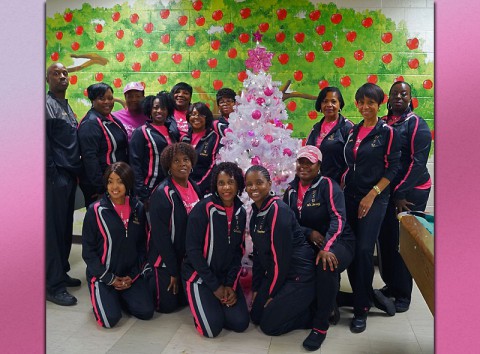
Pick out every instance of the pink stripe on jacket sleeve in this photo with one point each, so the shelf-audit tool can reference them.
(100, 227)
(275, 257)
(389, 146)
(150, 155)
(337, 214)
(412, 159)
(109, 143)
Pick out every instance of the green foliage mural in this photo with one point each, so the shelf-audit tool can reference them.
(205, 43)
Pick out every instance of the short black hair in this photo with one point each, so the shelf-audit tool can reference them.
(227, 93)
(202, 109)
(261, 169)
(231, 169)
(323, 93)
(170, 151)
(181, 86)
(165, 102)
(371, 91)
(124, 171)
(97, 90)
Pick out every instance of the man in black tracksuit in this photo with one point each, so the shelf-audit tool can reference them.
(63, 167)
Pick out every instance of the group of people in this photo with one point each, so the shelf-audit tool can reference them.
(165, 227)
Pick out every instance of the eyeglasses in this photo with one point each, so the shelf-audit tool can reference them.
(225, 102)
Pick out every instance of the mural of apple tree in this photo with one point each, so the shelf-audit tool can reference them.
(205, 43)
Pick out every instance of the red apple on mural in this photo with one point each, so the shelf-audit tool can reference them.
(387, 37)
(85, 93)
(299, 37)
(312, 115)
(320, 30)
(119, 34)
(280, 37)
(138, 42)
(367, 22)
(244, 38)
(120, 57)
(427, 84)
(164, 14)
(54, 56)
(345, 81)
(217, 84)
(73, 79)
(289, 126)
(412, 43)
(98, 77)
(358, 54)
(197, 5)
(387, 58)
(215, 44)
(165, 38)
(415, 102)
(413, 63)
(228, 27)
(200, 21)
(116, 16)
(245, 13)
(351, 36)
(385, 98)
(182, 20)
(339, 62)
(59, 35)
(263, 27)
(212, 62)
(177, 58)
(153, 56)
(283, 58)
(79, 30)
(310, 57)
(117, 82)
(196, 73)
(136, 66)
(148, 27)
(75, 46)
(100, 45)
(68, 16)
(298, 75)
(162, 79)
(241, 76)
(336, 18)
(134, 18)
(190, 40)
(327, 46)
(232, 53)
(322, 84)
(398, 78)
(281, 14)
(292, 106)
(373, 79)
(98, 28)
(217, 15)
(315, 15)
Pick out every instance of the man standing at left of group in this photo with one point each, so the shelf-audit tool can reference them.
(63, 167)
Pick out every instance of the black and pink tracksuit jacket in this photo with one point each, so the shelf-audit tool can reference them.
(214, 253)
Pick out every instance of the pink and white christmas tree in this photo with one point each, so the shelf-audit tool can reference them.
(256, 134)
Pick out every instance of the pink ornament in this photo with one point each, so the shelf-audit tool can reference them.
(260, 101)
(287, 152)
(268, 138)
(268, 91)
(259, 59)
(279, 124)
(256, 114)
(255, 142)
(250, 133)
(255, 160)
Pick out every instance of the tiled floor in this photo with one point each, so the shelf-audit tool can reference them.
(73, 330)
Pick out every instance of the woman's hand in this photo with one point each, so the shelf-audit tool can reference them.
(365, 205)
(230, 296)
(316, 238)
(402, 205)
(268, 301)
(220, 294)
(327, 258)
(122, 283)
(173, 285)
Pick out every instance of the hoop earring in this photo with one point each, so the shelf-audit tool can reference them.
(389, 106)
(339, 110)
(272, 193)
(169, 172)
(191, 171)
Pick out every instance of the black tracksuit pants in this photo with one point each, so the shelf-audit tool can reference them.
(165, 301)
(60, 203)
(393, 270)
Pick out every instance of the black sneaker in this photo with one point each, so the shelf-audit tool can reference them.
(70, 282)
(386, 291)
(359, 323)
(334, 316)
(62, 298)
(314, 340)
(402, 305)
(383, 303)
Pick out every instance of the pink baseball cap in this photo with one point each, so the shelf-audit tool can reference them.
(310, 152)
(133, 86)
